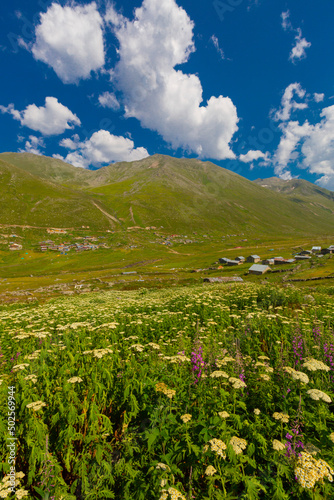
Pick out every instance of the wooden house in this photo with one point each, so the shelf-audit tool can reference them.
(258, 269)
(253, 259)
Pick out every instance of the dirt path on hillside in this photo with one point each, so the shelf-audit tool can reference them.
(111, 217)
(131, 215)
(179, 253)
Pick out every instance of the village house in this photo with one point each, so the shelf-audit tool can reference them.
(56, 231)
(15, 246)
(223, 260)
(258, 269)
(268, 262)
(240, 258)
(302, 257)
(253, 258)
(229, 262)
(281, 260)
(328, 250)
(316, 249)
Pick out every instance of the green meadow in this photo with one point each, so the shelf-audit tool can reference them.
(208, 392)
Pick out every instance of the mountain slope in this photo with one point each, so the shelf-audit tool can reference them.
(300, 191)
(30, 200)
(182, 195)
(48, 168)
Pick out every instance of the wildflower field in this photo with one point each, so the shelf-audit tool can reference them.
(223, 392)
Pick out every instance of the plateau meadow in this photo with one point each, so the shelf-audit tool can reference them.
(206, 392)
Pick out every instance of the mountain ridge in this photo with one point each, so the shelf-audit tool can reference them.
(181, 195)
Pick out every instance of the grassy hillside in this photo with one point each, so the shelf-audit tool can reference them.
(50, 169)
(182, 195)
(299, 190)
(30, 200)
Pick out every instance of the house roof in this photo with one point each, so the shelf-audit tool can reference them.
(255, 256)
(259, 267)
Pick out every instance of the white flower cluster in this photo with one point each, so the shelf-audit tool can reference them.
(316, 394)
(308, 470)
(37, 405)
(314, 365)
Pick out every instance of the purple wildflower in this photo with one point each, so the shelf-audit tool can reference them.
(198, 363)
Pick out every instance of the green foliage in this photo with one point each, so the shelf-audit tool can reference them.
(124, 417)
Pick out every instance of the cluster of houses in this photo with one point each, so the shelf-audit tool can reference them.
(261, 267)
(256, 268)
(307, 254)
(66, 247)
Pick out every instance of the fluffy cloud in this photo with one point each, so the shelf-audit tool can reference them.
(252, 156)
(318, 148)
(109, 100)
(288, 104)
(70, 40)
(292, 134)
(311, 146)
(159, 96)
(33, 145)
(298, 52)
(51, 119)
(101, 148)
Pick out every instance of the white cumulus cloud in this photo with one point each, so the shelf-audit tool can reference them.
(298, 51)
(288, 104)
(310, 146)
(52, 119)
(102, 148)
(161, 97)
(252, 156)
(33, 145)
(292, 134)
(70, 40)
(318, 148)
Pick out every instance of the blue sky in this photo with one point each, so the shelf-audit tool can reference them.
(247, 84)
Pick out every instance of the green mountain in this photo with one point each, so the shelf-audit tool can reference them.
(300, 191)
(30, 200)
(182, 195)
